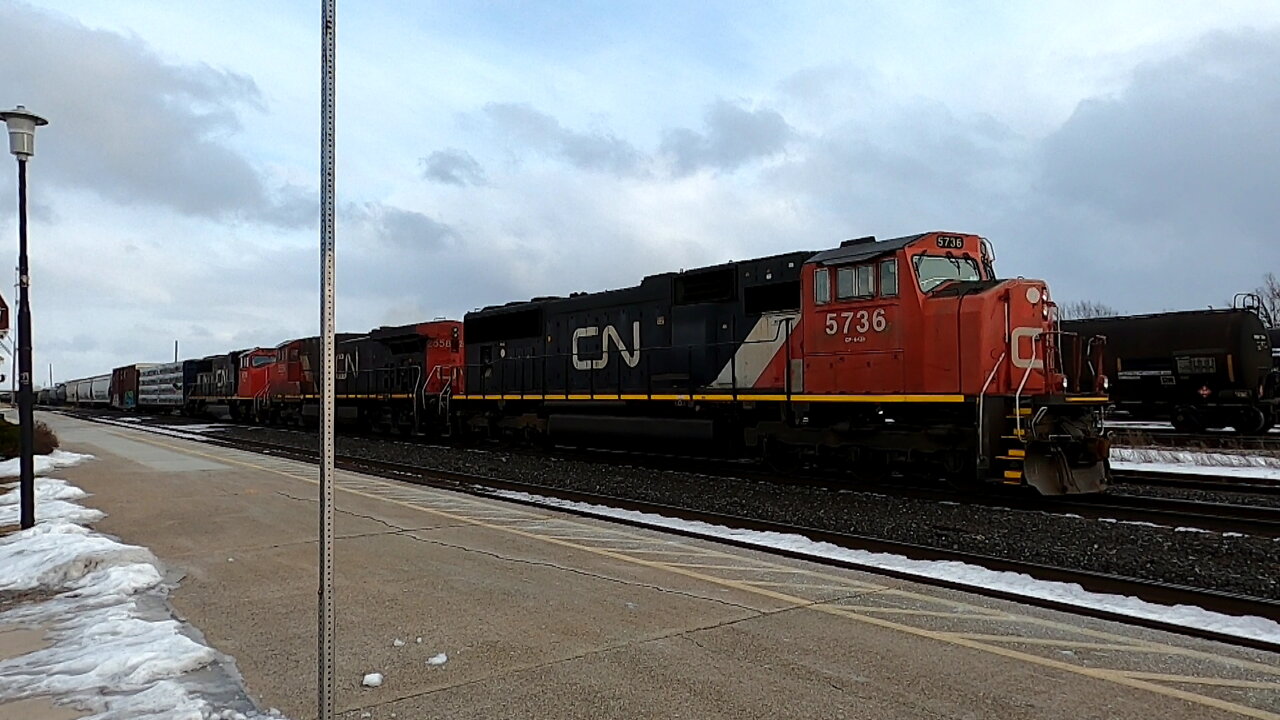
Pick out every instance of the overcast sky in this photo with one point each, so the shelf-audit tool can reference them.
(493, 151)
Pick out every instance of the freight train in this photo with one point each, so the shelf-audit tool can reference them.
(1198, 369)
(876, 355)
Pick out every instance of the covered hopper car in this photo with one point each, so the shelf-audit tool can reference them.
(875, 355)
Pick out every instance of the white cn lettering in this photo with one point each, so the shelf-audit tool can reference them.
(1020, 360)
(630, 357)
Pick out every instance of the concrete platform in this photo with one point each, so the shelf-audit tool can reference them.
(546, 615)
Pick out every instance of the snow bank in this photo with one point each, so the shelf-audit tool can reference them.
(113, 647)
(188, 432)
(44, 463)
(53, 501)
(972, 575)
(1213, 460)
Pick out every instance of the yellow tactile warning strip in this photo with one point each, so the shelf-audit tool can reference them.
(1241, 686)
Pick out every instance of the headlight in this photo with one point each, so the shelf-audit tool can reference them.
(1064, 382)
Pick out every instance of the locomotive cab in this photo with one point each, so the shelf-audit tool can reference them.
(924, 321)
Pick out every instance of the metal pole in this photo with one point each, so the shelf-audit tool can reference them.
(325, 671)
(13, 376)
(26, 411)
(175, 351)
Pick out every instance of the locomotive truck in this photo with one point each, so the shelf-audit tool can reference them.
(903, 353)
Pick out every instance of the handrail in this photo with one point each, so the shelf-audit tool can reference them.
(982, 397)
(1017, 396)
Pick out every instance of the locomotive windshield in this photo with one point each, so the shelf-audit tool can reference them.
(934, 270)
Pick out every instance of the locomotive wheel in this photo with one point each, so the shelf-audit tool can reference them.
(1251, 421)
(1187, 420)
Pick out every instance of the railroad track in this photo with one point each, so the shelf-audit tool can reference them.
(1151, 591)
(1216, 517)
(1189, 481)
(1196, 441)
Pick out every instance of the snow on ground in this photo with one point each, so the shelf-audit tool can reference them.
(113, 647)
(188, 432)
(1196, 463)
(44, 463)
(957, 572)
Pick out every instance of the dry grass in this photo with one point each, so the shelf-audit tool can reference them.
(46, 440)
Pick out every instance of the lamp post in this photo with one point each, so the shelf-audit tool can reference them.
(22, 143)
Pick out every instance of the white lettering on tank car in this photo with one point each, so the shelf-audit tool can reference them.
(630, 357)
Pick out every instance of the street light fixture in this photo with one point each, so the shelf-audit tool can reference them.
(22, 143)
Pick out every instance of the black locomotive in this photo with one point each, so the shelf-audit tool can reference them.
(1199, 369)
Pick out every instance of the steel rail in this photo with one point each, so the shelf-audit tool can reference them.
(1197, 481)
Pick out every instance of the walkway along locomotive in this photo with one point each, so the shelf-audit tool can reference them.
(893, 354)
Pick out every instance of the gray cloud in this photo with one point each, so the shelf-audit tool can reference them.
(1162, 196)
(596, 151)
(452, 166)
(732, 137)
(134, 129)
(1192, 139)
(398, 227)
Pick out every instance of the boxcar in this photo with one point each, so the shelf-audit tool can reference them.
(124, 386)
(1199, 369)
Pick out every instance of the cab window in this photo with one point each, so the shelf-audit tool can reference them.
(889, 277)
(260, 360)
(821, 286)
(844, 282)
(934, 270)
(864, 281)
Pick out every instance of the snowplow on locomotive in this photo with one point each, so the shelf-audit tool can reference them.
(901, 353)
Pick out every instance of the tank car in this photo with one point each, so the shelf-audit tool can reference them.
(1199, 369)
(904, 353)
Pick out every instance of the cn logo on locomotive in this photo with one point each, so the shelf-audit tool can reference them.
(630, 357)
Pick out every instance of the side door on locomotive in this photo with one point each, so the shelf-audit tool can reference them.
(853, 340)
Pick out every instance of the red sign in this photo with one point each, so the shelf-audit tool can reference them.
(4, 317)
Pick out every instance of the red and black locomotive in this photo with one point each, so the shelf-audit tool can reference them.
(894, 354)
